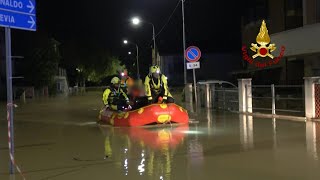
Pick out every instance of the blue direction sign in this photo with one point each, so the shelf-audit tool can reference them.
(18, 14)
(20, 6)
(193, 54)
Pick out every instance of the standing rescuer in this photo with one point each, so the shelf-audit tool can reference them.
(156, 87)
(114, 97)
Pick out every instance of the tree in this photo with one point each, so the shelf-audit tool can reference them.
(41, 64)
(88, 62)
(108, 67)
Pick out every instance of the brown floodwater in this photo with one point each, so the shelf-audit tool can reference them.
(58, 139)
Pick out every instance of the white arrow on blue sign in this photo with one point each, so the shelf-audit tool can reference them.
(18, 14)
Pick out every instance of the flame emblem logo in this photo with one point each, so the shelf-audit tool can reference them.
(263, 48)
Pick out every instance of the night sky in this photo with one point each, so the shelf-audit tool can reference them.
(210, 24)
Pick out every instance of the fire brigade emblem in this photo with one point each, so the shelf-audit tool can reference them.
(263, 48)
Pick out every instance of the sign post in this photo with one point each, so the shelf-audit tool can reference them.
(9, 96)
(18, 15)
(193, 55)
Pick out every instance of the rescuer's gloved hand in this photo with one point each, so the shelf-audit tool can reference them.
(128, 108)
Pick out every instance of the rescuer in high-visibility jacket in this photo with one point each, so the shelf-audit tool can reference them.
(114, 97)
(156, 87)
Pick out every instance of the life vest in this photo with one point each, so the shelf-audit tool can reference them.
(114, 96)
(157, 86)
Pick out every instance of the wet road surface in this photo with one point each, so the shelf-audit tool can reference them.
(58, 139)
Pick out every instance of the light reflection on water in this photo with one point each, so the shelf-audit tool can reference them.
(126, 166)
(313, 139)
(158, 146)
(246, 131)
(141, 168)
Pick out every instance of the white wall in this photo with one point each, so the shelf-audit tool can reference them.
(304, 40)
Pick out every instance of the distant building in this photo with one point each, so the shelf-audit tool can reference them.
(213, 67)
(62, 82)
(292, 23)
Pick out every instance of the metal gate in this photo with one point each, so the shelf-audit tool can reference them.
(211, 96)
(226, 99)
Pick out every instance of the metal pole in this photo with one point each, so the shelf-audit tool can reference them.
(154, 44)
(273, 99)
(195, 85)
(9, 95)
(184, 44)
(138, 73)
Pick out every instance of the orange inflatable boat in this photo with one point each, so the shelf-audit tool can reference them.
(152, 114)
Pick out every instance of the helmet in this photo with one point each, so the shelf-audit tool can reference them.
(154, 69)
(115, 80)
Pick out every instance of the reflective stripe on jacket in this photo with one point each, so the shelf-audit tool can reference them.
(110, 94)
(156, 86)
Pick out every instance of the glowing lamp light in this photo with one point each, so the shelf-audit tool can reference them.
(135, 21)
(125, 42)
(129, 53)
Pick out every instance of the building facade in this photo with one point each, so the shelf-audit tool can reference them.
(294, 24)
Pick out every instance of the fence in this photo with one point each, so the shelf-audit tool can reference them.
(270, 99)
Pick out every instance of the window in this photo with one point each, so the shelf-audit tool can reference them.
(293, 14)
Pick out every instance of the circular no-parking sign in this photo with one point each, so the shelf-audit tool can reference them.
(193, 54)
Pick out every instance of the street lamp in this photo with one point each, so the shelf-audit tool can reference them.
(137, 55)
(129, 53)
(136, 21)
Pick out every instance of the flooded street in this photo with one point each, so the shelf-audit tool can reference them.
(59, 139)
